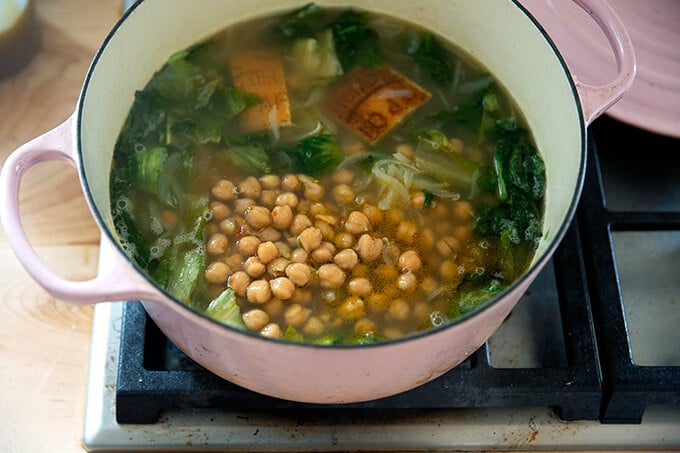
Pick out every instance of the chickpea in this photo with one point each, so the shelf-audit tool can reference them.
(298, 256)
(449, 271)
(297, 315)
(274, 307)
(352, 308)
(377, 302)
(343, 176)
(327, 231)
(314, 326)
(282, 288)
(300, 274)
(282, 216)
(394, 216)
(270, 181)
(241, 205)
(365, 326)
(457, 145)
(287, 199)
(268, 198)
(360, 287)
(386, 272)
(271, 330)
(329, 219)
(234, 261)
(354, 148)
(392, 332)
(255, 319)
(219, 210)
(399, 309)
(210, 229)
(462, 210)
(357, 222)
(344, 240)
(317, 209)
(217, 244)
(224, 190)
(303, 206)
(267, 251)
(429, 284)
(342, 193)
(253, 266)
(258, 217)
(217, 272)
(250, 187)
(277, 267)
(310, 238)
(374, 214)
(427, 239)
(302, 297)
(239, 281)
(324, 253)
(313, 191)
(248, 245)
(462, 232)
(269, 234)
(406, 231)
(369, 248)
(299, 223)
(410, 261)
(407, 281)
(290, 182)
(453, 243)
(232, 225)
(421, 310)
(418, 200)
(347, 259)
(258, 292)
(443, 248)
(331, 276)
(391, 291)
(360, 270)
(170, 217)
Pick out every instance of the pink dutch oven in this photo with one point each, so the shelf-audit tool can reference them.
(499, 33)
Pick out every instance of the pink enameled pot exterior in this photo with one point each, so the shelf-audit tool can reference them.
(497, 32)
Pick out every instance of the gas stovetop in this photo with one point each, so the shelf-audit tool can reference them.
(589, 358)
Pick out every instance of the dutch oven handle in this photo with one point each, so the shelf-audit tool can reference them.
(597, 99)
(117, 279)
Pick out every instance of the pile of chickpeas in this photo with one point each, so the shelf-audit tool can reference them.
(315, 255)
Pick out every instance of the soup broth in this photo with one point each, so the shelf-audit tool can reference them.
(328, 176)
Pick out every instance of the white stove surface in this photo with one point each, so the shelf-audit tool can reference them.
(436, 430)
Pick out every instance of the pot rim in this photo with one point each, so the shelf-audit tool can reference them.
(536, 266)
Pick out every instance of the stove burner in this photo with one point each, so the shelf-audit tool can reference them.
(597, 377)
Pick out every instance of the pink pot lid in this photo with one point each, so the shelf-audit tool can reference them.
(653, 102)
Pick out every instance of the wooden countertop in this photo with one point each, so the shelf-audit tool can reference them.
(44, 343)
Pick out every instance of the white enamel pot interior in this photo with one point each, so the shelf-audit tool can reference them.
(496, 32)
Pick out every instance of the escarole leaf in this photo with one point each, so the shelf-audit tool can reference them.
(435, 157)
(180, 267)
(224, 309)
(355, 43)
(431, 57)
(313, 155)
(301, 23)
(471, 295)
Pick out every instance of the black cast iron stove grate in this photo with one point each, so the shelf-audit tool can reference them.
(595, 378)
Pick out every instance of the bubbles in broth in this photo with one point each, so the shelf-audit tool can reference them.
(328, 176)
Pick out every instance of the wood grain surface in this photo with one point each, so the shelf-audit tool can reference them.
(44, 343)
